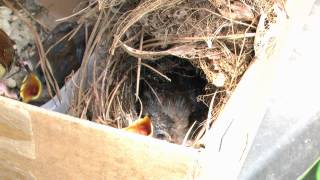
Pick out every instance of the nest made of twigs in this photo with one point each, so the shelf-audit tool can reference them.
(216, 36)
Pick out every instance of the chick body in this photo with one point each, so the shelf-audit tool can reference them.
(170, 115)
(66, 56)
(172, 105)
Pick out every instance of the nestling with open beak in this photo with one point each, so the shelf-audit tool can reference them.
(141, 126)
(31, 87)
(65, 56)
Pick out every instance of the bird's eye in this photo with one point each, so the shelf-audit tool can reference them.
(161, 136)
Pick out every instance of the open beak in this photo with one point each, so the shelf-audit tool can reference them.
(31, 88)
(141, 126)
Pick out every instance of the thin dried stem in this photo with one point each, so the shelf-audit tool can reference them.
(45, 65)
(76, 13)
(139, 67)
(156, 71)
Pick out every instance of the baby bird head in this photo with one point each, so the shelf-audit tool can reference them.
(31, 88)
(170, 116)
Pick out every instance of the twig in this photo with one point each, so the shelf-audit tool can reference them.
(210, 112)
(238, 58)
(231, 20)
(156, 71)
(85, 59)
(114, 94)
(188, 134)
(76, 13)
(45, 66)
(139, 66)
(135, 15)
(232, 28)
(154, 92)
(174, 40)
(92, 42)
(141, 107)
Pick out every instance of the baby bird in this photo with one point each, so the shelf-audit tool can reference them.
(170, 115)
(66, 56)
(172, 105)
(31, 87)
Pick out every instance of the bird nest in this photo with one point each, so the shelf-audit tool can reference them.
(175, 61)
(150, 52)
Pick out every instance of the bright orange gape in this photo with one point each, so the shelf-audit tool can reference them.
(141, 126)
(31, 88)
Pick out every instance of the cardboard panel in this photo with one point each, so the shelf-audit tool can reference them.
(47, 145)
